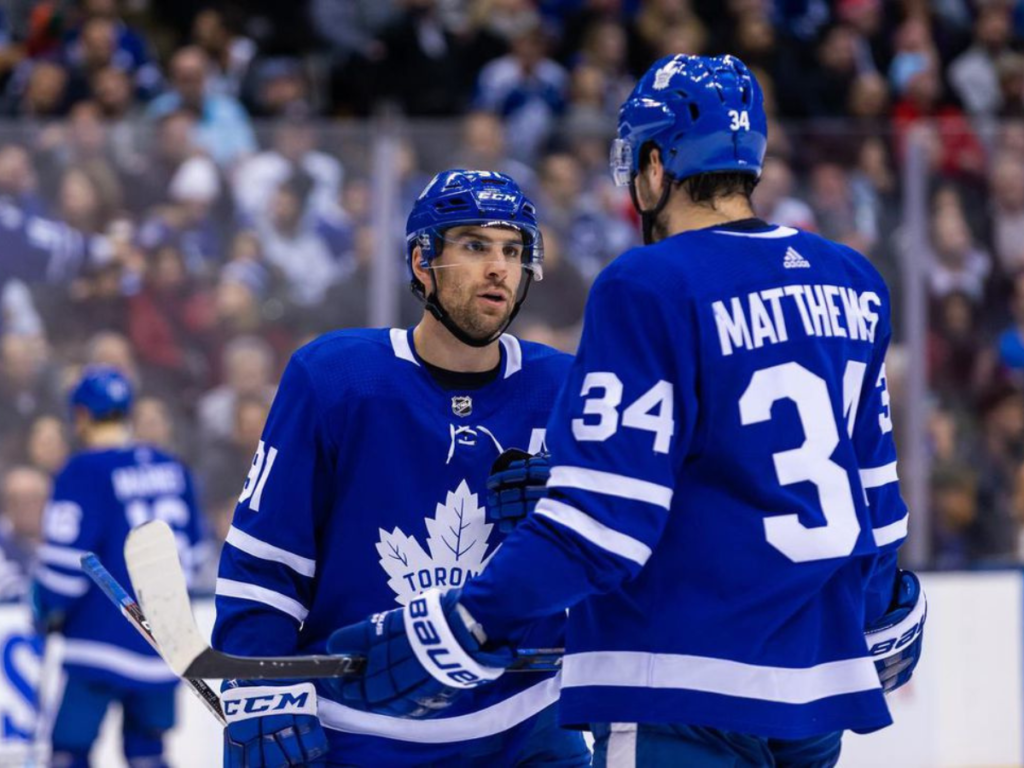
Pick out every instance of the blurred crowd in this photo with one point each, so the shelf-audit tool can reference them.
(187, 192)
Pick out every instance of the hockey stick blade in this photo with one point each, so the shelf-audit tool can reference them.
(152, 558)
(130, 609)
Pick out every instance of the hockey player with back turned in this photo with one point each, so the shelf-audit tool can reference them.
(367, 489)
(723, 511)
(110, 486)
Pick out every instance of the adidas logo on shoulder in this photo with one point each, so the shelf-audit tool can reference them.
(793, 260)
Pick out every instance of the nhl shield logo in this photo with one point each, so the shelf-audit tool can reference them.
(462, 405)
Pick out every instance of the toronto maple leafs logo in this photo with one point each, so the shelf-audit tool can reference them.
(456, 539)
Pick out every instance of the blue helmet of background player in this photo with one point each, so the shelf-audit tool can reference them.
(704, 114)
(460, 198)
(104, 392)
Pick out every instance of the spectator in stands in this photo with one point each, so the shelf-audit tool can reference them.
(112, 91)
(483, 146)
(993, 537)
(226, 460)
(300, 246)
(131, 53)
(187, 223)
(1006, 183)
(152, 424)
(554, 313)
(294, 153)
(113, 349)
(957, 263)
(829, 82)
(527, 89)
(47, 446)
(959, 364)
(171, 326)
(23, 496)
(774, 198)
(578, 217)
(426, 67)
(973, 75)
(248, 369)
(28, 382)
(954, 510)
(346, 304)
(1010, 343)
(223, 128)
(45, 91)
(280, 87)
(230, 53)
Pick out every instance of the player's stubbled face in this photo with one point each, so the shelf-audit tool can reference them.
(478, 276)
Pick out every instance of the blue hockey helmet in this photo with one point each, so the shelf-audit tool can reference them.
(704, 114)
(458, 198)
(103, 391)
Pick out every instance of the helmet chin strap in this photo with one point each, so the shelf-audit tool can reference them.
(647, 218)
(439, 312)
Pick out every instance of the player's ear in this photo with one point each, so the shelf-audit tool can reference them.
(422, 274)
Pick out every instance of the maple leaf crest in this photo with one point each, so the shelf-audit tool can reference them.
(457, 539)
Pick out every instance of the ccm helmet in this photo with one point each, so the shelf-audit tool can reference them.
(458, 198)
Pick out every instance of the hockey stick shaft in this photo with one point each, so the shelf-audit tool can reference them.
(152, 558)
(133, 613)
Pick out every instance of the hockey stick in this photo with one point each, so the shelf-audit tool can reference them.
(133, 613)
(152, 558)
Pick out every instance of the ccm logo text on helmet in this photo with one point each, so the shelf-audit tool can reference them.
(268, 703)
(500, 197)
(427, 634)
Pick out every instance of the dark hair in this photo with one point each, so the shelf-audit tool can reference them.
(705, 187)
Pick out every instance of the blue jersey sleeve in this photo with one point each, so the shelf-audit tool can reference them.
(876, 458)
(621, 425)
(72, 526)
(268, 565)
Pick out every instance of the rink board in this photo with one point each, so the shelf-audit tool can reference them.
(965, 706)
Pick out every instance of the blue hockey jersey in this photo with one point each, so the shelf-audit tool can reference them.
(368, 488)
(97, 498)
(723, 511)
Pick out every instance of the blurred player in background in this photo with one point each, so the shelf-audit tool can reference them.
(367, 489)
(723, 510)
(110, 486)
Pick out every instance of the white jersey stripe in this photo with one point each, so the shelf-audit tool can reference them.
(257, 548)
(771, 234)
(128, 664)
(594, 531)
(784, 685)
(887, 534)
(611, 484)
(400, 344)
(283, 603)
(65, 557)
(513, 354)
(441, 730)
(875, 477)
(69, 586)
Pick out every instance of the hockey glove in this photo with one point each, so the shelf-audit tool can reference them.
(418, 658)
(515, 486)
(895, 639)
(272, 726)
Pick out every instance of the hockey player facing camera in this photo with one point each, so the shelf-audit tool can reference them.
(723, 511)
(368, 489)
(110, 486)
